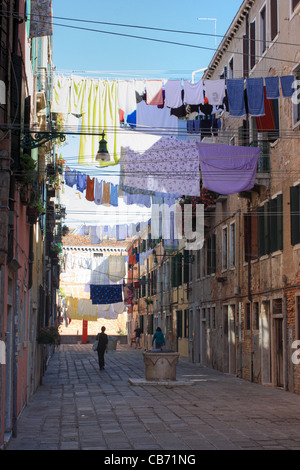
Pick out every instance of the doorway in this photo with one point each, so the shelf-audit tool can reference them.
(9, 372)
(265, 338)
(225, 340)
(231, 340)
(278, 349)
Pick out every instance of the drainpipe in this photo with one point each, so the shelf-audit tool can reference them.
(285, 343)
(16, 334)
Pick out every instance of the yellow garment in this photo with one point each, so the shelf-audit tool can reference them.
(101, 114)
(97, 101)
(87, 310)
(61, 95)
(72, 307)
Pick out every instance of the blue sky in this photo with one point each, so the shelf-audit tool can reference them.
(110, 56)
(81, 50)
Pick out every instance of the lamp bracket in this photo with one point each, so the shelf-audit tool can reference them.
(40, 138)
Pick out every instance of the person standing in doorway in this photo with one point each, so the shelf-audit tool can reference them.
(138, 331)
(102, 347)
(159, 338)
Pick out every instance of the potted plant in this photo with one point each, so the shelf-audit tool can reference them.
(56, 248)
(48, 335)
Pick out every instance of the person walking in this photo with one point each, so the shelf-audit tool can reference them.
(102, 347)
(138, 331)
(159, 338)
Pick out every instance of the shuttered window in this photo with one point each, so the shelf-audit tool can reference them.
(176, 270)
(263, 30)
(295, 214)
(274, 18)
(211, 254)
(270, 226)
(179, 324)
(252, 44)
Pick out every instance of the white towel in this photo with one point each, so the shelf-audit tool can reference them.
(154, 94)
(116, 268)
(193, 92)
(215, 91)
(126, 96)
(173, 96)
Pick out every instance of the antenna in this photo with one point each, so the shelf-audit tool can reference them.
(211, 19)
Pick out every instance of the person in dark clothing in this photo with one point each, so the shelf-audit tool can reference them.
(158, 338)
(138, 331)
(102, 347)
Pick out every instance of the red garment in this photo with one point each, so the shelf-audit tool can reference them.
(132, 259)
(267, 122)
(90, 184)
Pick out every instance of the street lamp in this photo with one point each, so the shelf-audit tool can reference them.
(103, 154)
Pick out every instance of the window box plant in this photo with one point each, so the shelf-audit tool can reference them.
(49, 335)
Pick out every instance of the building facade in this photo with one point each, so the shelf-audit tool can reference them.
(234, 304)
(29, 220)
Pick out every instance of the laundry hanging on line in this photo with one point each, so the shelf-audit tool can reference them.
(106, 294)
(228, 169)
(168, 166)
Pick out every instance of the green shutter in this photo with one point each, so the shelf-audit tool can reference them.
(273, 225)
(280, 222)
(186, 259)
(213, 253)
(209, 255)
(267, 228)
(261, 231)
(173, 271)
(179, 324)
(295, 215)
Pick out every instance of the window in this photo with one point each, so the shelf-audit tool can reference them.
(179, 323)
(232, 244)
(274, 18)
(298, 318)
(252, 44)
(247, 316)
(225, 248)
(211, 254)
(263, 30)
(176, 270)
(295, 4)
(213, 317)
(250, 236)
(296, 102)
(230, 68)
(295, 214)
(186, 324)
(186, 267)
(198, 257)
(270, 226)
(255, 315)
(246, 55)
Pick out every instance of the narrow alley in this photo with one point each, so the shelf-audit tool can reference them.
(80, 408)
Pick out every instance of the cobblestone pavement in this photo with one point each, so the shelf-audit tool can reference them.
(80, 407)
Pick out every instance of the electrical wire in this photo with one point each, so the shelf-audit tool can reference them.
(162, 41)
(151, 28)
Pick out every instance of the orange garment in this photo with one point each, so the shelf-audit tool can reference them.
(90, 184)
(106, 193)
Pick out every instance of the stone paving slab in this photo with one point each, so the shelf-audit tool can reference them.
(79, 407)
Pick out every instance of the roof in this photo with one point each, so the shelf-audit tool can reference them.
(71, 239)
